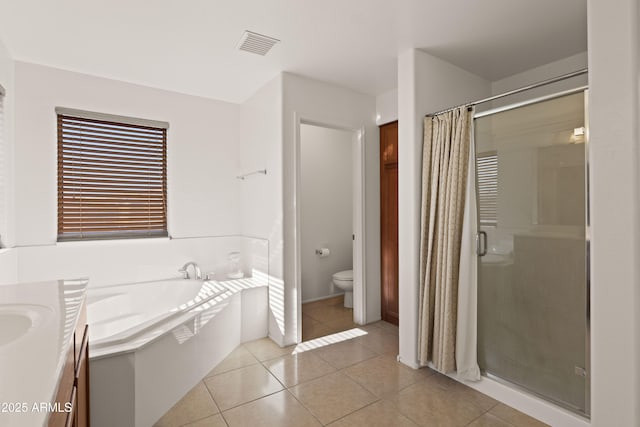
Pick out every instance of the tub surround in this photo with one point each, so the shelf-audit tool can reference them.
(39, 321)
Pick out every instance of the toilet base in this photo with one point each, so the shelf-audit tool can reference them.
(348, 299)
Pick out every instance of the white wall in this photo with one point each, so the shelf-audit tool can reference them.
(387, 107)
(326, 103)
(614, 76)
(202, 149)
(326, 214)
(129, 261)
(8, 259)
(261, 195)
(538, 74)
(261, 148)
(203, 193)
(205, 155)
(425, 84)
(267, 127)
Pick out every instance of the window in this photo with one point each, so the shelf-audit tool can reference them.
(112, 176)
(487, 168)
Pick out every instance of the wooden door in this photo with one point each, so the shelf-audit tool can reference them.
(389, 221)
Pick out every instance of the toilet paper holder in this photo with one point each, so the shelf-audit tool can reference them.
(323, 252)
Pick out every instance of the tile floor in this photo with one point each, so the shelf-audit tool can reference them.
(346, 379)
(325, 317)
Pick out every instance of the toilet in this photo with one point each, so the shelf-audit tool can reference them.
(344, 281)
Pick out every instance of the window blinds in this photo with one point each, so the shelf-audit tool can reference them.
(487, 169)
(112, 179)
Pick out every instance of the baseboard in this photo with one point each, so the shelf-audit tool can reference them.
(321, 298)
(410, 363)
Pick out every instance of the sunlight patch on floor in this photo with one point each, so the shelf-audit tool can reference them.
(328, 340)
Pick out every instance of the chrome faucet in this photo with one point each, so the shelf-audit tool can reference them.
(196, 270)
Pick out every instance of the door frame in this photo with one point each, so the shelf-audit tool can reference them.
(358, 221)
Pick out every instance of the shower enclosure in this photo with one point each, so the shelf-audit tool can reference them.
(532, 280)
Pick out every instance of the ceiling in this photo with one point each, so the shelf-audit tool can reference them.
(189, 46)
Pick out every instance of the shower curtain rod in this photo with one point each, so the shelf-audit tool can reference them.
(515, 91)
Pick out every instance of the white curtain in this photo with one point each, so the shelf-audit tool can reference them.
(447, 328)
(467, 327)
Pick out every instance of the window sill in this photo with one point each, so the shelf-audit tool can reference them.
(107, 242)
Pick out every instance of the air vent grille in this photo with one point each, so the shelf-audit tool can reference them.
(256, 43)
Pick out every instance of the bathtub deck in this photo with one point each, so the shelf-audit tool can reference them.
(148, 335)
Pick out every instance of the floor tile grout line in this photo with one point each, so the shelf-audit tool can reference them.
(224, 419)
(386, 394)
(323, 376)
(259, 362)
(211, 395)
(273, 375)
(348, 366)
(248, 401)
(199, 419)
(305, 407)
(469, 401)
(488, 411)
(342, 370)
(502, 419)
(313, 380)
(252, 400)
(230, 370)
(413, 420)
(263, 363)
(474, 420)
(322, 322)
(306, 381)
(377, 398)
(359, 409)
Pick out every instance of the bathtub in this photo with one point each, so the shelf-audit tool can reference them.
(119, 314)
(150, 342)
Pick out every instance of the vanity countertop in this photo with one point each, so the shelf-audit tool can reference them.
(37, 323)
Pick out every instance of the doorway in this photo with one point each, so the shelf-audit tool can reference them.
(389, 222)
(329, 255)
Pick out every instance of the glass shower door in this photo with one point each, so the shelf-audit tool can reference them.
(532, 284)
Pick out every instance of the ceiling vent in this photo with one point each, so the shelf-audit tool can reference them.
(256, 43)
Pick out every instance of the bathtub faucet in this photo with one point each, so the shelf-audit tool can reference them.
(196, 270)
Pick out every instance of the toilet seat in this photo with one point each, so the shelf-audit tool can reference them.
(343, 275)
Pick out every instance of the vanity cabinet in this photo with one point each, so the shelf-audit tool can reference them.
(72, 398)
(82, 382)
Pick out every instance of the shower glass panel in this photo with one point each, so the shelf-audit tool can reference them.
(532, 290)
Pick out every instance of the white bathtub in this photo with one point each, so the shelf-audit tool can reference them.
(119, 314)
(150, 342)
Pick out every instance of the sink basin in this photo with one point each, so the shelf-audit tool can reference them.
(13, 326)
(17, 320)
